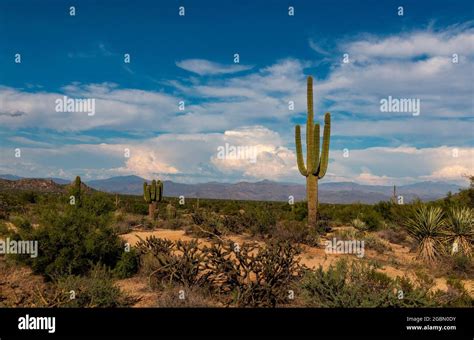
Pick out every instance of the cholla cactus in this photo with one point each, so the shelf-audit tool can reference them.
(316, 163)
(152, 193)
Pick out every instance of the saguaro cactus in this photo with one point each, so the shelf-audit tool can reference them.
(76, 191)
(316, 161)
(170, 211)
(152, 193)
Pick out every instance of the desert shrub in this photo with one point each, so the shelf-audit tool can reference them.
(148, 263)
(323, 224)
(72, 243)
(173, 224)
(359, 224)
(206, 224)
(185, 297)
(343, 285)
(375, 243)
(455, 296)
(124, 222)
(29, 197)
(372, 220)
(97, 289)
(360, 285)
(296, 232)
(233, 223)
(385, 209)
(260, 221)
(371, 241)
(252, 276)
(397, 236)
(127, 265)
(147, 223)
(177, 262)
(23, 226)
(136, 207)
(458, 265)
(97, 203)
(244, 275)
(198, 216)
(300, 211)
(414, 293)
(347, 234)
(4, 230)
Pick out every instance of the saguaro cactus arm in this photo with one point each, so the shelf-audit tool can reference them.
(159, 191)
(299, 152)
(325, 149)
(146, 192)
(153, 190)
(316, 137)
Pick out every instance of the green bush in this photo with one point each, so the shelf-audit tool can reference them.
(371, 219)
(73, 242)
(127, 265)
(29, 197)
(296, 232)
(260, 221)
(462, 264)
(361, 285)
(300, 211)
(136, 207)
(98, 203)
(455, 296)
(96, 290)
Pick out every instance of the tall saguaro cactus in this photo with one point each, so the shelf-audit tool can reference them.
(152, 193)
(316, 160)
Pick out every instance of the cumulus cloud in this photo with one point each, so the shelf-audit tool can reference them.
(402, 165)
(410, 65)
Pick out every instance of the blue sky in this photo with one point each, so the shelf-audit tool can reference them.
(191, 59)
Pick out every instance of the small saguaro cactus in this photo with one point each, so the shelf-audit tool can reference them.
(170, 211)
(152, 193)
(316, 160)
(76, 191)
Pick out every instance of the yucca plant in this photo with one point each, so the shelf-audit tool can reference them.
(460, 234)
(427, 228)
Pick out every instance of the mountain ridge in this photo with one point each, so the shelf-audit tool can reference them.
(265, 190)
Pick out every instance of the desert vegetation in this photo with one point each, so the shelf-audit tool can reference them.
(105, 250)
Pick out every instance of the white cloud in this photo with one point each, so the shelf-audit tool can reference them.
(206, 67)
(402, 165)
(119, 109)
(317, 48)
(416, 44)
(415, 65)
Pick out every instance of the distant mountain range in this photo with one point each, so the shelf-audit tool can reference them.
(338, 192)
